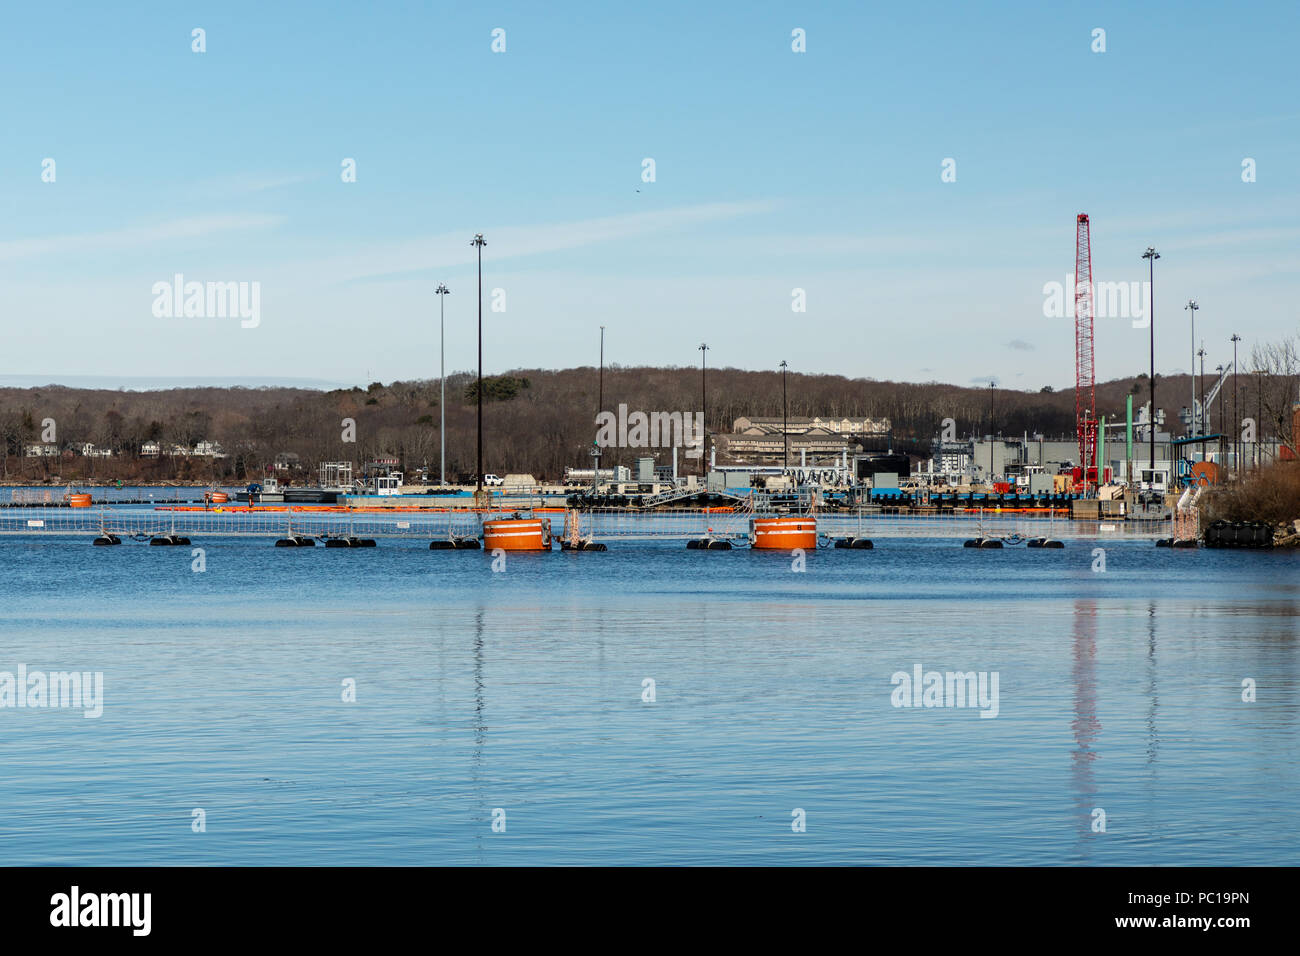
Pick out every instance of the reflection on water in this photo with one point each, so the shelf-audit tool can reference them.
(522, 690)
(1153, 696)
(1085, 724)
(480, 734)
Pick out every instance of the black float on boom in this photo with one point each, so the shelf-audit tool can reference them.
(455, 544)
(708, 544)
(349, 542)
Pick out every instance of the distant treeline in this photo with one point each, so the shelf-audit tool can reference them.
(536, 421)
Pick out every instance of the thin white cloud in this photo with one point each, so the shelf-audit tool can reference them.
(242, 184)
(1216, 240)
(828, 244)
(133, 236)
(261, 185)
(449, 250)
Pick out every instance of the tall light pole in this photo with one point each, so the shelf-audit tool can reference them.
(1236, 410)
(1151, 256)
(1191, 307)
(478, 243)
(1204, 423)
(600, 402)
(785, 420)
(704, 404)
(442, 292)
(1085, 466)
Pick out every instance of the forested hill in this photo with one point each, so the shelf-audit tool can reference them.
(535, 420)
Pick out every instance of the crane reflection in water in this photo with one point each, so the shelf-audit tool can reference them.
(1085, 726)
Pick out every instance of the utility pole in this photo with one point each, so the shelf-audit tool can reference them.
(479, 243)
(1151, 256)
(1236, 411)
(704, 404)
(442, 292)
(785, 420)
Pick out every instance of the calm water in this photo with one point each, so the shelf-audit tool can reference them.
(522, 690)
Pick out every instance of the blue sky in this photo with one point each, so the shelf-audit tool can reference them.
(775, 170)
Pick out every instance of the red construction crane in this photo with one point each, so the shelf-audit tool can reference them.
(1085, 392)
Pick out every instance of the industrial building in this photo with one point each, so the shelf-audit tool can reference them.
(996, 459)
(763, 440)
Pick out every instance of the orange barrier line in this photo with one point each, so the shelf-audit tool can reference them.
(340, 509)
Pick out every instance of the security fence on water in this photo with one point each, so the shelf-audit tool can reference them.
(602, 524)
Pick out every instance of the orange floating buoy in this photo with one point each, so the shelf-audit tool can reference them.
(220, 497)
(783, 534)
(517, 534)
(79, 501)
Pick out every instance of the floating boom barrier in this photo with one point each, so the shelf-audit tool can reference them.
(596, 525)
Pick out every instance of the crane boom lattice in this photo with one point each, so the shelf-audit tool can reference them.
(1085, 392)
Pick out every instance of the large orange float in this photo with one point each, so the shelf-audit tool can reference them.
(517, 534)
(783, 534)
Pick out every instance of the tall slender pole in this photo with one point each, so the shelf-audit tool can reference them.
(1236, 409)
(600, 402)
(1191, 307)
(478, 243)
(785, 420)
(1128, 440)
(1151, 256)
(1085, 476)
(442, 291)
(704, 405)
(1204, 424)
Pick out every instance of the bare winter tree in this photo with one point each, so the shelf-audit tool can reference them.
(1279, 385)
